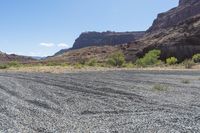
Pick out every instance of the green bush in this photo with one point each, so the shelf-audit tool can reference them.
(92, 62)
(171, 61)
(150, 58)
(64, 64)
(128, 65)
(116, 59)
(14, 64)
(83, 61)
(53, 64)
(188, 64)
(78, 66)
(196, 58)
(3, 66)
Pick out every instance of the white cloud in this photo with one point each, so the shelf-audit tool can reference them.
(63, 45)
(47, 44)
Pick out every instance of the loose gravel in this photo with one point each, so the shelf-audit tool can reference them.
(100, 102)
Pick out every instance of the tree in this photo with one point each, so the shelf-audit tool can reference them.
(150, 58)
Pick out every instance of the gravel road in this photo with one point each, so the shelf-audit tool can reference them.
(100, 102)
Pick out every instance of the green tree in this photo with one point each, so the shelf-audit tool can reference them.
(92, 62)
(150, 58)
(196, 58)
(116, 59)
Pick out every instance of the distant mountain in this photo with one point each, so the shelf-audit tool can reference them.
(4, 58)
(38, 57)
(88, 39)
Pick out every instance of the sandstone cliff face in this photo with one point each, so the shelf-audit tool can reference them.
(185, 10)
(181, 41)
(105, 38)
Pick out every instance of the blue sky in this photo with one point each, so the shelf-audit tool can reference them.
(42, 27)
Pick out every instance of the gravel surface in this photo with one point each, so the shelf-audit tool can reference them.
(100, 102)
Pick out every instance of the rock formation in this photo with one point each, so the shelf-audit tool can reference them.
(185, 10)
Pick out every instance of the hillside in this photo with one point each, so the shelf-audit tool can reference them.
(4, 58)
(78, 55)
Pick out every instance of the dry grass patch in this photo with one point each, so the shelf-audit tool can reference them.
(160, 87)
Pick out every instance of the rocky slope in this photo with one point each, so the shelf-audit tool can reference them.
(62, 51)
(4, 58)
(78, 55)
(185, 10)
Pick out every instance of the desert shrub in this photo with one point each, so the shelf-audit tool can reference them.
(92, 62)
(64, 64)
(188, 64)
(83, 61)
(171, 61)
(78, 66)
(53, 64)
(104, 64)
(116, 59)
(160, 87)
(128, 65)
(196, 58)
(150, 58)
(14, 64)
(3, 66)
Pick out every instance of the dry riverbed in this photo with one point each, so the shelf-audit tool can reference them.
(104, 101)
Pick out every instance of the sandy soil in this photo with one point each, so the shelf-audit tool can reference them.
(110, 101)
